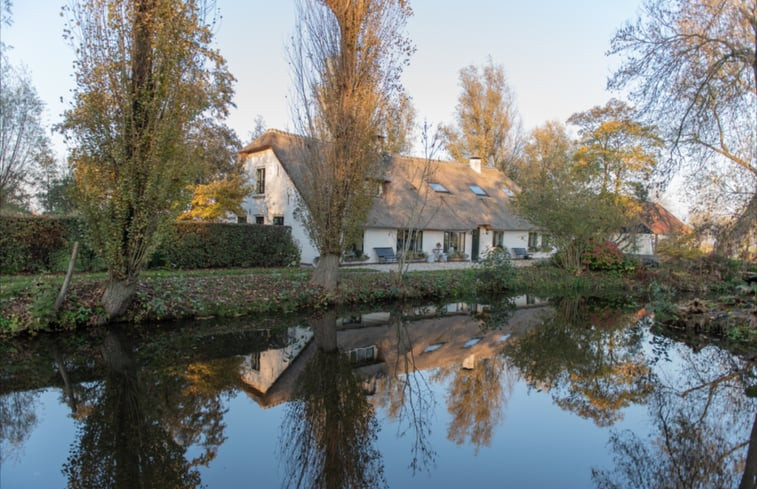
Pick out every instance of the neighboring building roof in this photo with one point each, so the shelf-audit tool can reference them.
(407, 200)
(660, 221)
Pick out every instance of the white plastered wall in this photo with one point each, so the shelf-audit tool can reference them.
(378, 238)
(515, 239)
(280, 199)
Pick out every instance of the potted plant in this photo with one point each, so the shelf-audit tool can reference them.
(457, 256)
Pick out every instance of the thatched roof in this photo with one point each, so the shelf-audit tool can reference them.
(407, 199)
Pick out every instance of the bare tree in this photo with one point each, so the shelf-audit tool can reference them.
(347, 57)
(146, 74)
(488, 124)
(23, 139)
(691, 66)
(418, 174)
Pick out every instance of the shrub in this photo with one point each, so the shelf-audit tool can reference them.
(494, 272)
(603, 256)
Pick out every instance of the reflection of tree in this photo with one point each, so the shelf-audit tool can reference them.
(405, 392)
(329, 431)
(700, 432)
(140, 426)
(476, 401)
(587, 357)
(18, 416)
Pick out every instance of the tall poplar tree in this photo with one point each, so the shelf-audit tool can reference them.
(487, 120)
(146, 74)
(347, 57)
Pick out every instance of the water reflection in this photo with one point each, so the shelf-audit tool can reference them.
(151, 409)
(330, 428)
(139, 424)
(18, 416)
(702, 425)
(587, 353)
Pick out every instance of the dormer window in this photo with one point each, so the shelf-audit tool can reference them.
(438, 187)
(478, 190)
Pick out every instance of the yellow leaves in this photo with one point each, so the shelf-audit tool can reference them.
(213, 200)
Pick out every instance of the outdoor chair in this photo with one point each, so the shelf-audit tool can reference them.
(521, 253)
(385, 255)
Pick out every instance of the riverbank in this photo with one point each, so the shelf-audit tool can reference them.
(26, 301)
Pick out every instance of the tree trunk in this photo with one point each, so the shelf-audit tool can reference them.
(326, 273)
(118, 296)
(324, 330)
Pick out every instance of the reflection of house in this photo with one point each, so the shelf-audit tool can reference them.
(656, 224)
(380, 344)
(260, 370)
(462, 207)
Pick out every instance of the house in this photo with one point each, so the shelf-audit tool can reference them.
(436, 209)
(655, 224)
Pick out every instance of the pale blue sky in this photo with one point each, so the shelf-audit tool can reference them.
(552, 52)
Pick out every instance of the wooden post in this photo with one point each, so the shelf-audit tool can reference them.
(67, 281)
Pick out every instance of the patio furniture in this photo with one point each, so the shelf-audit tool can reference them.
(385, 255)
(521, 253)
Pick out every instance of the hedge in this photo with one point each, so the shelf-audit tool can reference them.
(34, 244)
(217, 245)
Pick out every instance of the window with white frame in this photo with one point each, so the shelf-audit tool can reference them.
(498, 239)
(362, 355)
(260, 181)
(454, 241)
(410, 241)
(533, 240)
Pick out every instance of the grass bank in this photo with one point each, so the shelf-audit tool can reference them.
(26, 300)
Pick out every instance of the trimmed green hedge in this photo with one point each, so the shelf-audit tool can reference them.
(34, 244)
(216, 245)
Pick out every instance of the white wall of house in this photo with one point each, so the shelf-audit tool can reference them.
(515, 239)
(280, 199)
(430, 238)
(378, 238)
(641, 244)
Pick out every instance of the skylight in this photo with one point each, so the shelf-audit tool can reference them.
(438, 187)
(478, 190)
(508, 192)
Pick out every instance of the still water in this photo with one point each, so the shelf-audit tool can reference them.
(518, 392)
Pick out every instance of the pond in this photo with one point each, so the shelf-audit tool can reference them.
(570, 392)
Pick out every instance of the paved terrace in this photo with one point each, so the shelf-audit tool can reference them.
(423, 266)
